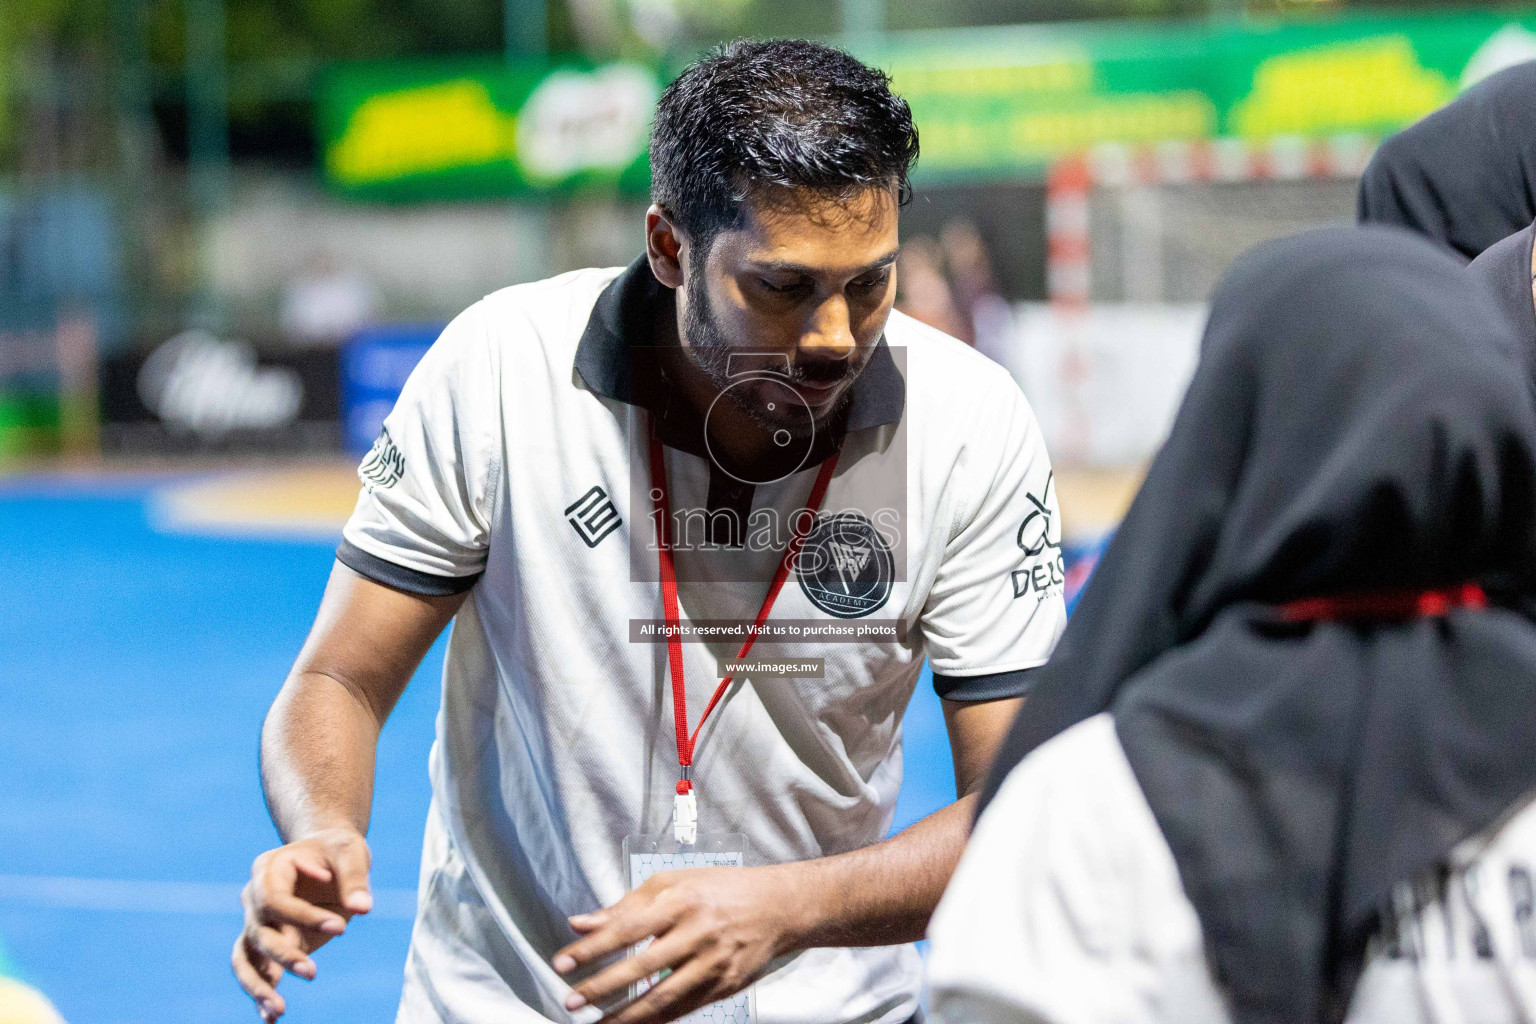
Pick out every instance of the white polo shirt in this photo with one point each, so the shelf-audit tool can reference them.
(1087, 921)
(515, 463)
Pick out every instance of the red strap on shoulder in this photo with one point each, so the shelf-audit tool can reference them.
(1386, 605)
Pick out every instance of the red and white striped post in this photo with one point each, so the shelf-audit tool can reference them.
(1068, 256)
(1068, 282)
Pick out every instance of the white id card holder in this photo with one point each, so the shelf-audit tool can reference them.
(650, 855)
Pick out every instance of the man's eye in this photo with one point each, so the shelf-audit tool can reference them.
(781, 289)
(870, 284)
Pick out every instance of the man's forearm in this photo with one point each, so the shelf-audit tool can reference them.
(317, 747)
(317, 756)
(883, 894)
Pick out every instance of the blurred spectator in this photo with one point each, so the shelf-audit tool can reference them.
(975, 288)
(327, 303)
(922, 290)
(949, 284)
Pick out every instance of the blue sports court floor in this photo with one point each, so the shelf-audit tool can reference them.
(135, 666)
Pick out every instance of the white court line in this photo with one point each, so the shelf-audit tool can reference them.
(133, 897)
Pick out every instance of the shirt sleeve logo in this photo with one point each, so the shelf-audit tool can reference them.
(593, 516)
(384, 464)
(846, 566)
(1040, 535)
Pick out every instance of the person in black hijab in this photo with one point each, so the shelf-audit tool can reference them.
(1315, 637)
(1509, 272)
(1465, 175)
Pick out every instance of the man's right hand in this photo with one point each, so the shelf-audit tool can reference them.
(300, 896)
(318, 746)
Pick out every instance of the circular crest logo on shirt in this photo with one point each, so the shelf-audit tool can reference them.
(846, 567)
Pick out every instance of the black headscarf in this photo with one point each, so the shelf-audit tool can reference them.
(1358, 422)
(1505, 268)
(1466, 174)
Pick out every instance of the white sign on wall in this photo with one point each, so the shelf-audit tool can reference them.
(1106, 381)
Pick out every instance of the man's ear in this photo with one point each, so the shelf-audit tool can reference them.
(664, 247)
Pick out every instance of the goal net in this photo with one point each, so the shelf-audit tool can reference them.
(1138, 239)
(1161, 224)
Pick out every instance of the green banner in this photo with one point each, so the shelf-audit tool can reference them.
(476, 129)
(989, 103)
(998, 102)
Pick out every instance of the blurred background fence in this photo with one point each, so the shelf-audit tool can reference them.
(203, 202)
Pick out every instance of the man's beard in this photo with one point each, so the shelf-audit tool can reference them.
(711, 352)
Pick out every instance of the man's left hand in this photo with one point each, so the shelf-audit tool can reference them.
(715, 930)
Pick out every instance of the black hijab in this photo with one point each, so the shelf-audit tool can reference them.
(1505, 268)
(1466, 174)
(1358, 422)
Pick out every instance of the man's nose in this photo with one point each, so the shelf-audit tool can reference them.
(829, 335)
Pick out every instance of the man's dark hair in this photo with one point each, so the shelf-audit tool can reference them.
(781, 112)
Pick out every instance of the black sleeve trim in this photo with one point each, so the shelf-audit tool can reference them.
(994, 686)
(412, 581)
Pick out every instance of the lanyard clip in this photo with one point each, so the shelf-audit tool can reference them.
(685, 818)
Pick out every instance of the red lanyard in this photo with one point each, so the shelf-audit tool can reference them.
(1385, 605)
(803, 523)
